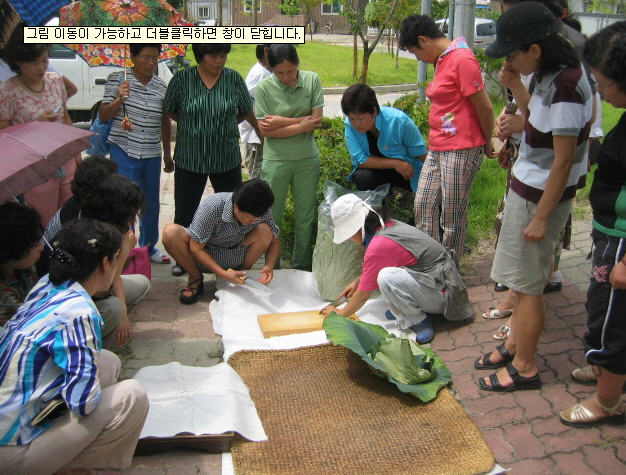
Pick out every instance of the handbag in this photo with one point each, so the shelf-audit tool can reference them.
(138, 262)
(100, 141)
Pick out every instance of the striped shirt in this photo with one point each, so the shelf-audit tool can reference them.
(561, 104)
(49, 349)
(144, 107)
(215, 226)
(207, 139)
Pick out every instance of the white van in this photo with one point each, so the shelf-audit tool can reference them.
(484, 30)
(89, 80)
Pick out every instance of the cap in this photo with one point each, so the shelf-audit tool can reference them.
(523, 24)
(348, 213)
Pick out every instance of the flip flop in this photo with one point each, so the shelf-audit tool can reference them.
(520, 383)
(495, 313)
(581, 416)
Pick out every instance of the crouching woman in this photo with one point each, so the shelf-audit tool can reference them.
(416, 276)
(50, 354)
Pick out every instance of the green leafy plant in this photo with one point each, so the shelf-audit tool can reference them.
(413, 369)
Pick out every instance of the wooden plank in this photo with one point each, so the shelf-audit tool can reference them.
(277, 324)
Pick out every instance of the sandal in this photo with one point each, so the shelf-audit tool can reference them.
(194, 292)
(584, 375)
(177, 270)
(495, 313)
(487, 364)
(519, 382)
(502, 332)
(581, 416)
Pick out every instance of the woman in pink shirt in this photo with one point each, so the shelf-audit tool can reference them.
(416, 276)
(461, 125)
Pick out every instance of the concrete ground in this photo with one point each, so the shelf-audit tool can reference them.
(522, 429)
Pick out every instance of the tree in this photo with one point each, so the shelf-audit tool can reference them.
(308, 6)
(354, 11)
(290, 8)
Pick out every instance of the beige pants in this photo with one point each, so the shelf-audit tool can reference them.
(105, 439)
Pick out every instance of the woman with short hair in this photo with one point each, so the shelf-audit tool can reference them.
(52, 360)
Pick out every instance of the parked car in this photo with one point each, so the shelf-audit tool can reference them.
(484, 30)
(89, 80)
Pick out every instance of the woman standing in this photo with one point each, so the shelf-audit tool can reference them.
(138, 96)
(289, 106)
(51, 356)
(544, 179)
(35, 94)
(208, 101)
(461, 124)
(605, 339)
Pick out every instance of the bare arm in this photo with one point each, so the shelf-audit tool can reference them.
(271, 256)
(564, 150)
(279, 127)
(166, 142)
(108, 110)
(204, 258)
(251, 119)
(70, 87)
(484, 111)
(356, 301)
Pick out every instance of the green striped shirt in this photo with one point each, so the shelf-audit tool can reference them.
(207, 138)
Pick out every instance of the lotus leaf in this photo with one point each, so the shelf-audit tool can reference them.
(413, 369)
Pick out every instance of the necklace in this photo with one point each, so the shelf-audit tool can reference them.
(43, 86)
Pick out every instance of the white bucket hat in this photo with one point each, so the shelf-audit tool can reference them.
(348, 213)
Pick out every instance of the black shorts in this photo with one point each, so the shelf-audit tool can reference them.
(605, 339)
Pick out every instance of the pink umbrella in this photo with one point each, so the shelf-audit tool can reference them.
(33, 151)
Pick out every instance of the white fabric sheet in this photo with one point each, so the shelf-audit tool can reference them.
(235, 311)
(198, 400)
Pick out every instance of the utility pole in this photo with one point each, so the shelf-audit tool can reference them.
(464, 14)
(422, 67)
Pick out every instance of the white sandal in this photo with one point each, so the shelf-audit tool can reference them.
(495, 313)
(502, 333)
(581, 416)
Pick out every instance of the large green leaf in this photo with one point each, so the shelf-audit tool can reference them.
(413, 369)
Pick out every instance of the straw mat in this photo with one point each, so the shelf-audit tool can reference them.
(324, 412)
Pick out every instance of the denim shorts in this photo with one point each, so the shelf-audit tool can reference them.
(521, 265)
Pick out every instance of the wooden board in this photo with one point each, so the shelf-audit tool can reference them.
(276, 324)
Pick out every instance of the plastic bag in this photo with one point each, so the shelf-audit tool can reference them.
(336, 265)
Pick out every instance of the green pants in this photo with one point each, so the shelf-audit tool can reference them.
(302, 176)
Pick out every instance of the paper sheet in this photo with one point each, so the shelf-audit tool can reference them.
(199, 400)
(235, 312)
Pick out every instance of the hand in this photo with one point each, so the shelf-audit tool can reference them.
(509, 124)
(168, 163)
(235, 276)
(49, 116)
(309, 124)
(617, 278)
(489, 151)
(267, 274)
(404, 169)
(122, 334)
(269, 122)
(349, 289)
(123, 90)
(328, 309)
(508, 76)
(536, 230)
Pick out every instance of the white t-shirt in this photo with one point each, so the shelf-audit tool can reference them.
(256, 73)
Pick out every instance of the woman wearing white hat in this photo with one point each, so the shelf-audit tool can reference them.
(416, 276)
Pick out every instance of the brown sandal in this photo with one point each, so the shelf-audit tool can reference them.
(194, 292)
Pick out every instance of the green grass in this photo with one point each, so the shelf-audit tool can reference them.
(332, 63)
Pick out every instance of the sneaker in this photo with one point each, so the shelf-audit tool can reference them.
(160, 258)
(178, 270)
(552, 286)
(498, 287)
(424, 332)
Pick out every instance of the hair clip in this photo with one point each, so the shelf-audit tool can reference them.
(92, 242)
(62, 256)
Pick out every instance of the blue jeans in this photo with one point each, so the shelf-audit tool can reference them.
(146, 172)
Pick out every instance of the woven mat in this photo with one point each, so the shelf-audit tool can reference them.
(324, 412)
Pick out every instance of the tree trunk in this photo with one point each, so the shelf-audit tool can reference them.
(355, 56)
(220, 20)
(255, 19)
(367, 52)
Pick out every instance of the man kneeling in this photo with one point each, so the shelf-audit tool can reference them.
(228, 234)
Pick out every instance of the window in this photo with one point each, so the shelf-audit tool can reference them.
(247, 6)
(203, 12)
(332, 8)
(60, 51)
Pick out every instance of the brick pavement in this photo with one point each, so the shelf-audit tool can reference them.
(522, 429)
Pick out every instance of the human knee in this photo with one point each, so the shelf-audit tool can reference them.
(388, 277)
(172, 234)
(262, 234)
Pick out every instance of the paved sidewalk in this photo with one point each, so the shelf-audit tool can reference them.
(522, 429)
